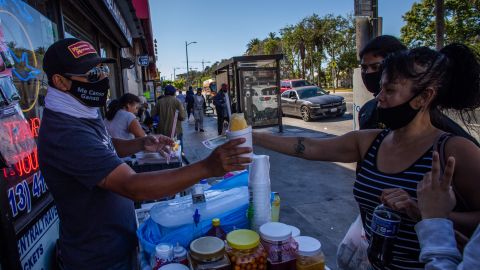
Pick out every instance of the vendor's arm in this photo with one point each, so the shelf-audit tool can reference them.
(466, 182)
(150, 143)
(347, 148)
(158, 184)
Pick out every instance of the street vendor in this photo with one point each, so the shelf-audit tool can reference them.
(92, 188)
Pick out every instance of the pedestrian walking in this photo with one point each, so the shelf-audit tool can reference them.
(199, 107)
(165, 109)
(181, 97)
(221, 107)
(92, 187)
(190, 101)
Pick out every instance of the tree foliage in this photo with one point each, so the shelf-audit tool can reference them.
(313, 47)
(462, 23)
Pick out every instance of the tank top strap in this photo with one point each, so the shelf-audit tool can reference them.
(373, 149)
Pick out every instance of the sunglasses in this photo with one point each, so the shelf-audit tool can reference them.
(93, 75)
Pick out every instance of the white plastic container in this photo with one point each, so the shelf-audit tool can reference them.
(295, 231)
(244, 133)
(179, 211)
(174, 266)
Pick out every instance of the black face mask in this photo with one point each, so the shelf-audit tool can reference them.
(372, 81)
(91, 94)
(398, 116)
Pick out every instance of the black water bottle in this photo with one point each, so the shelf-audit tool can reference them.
(385, 223)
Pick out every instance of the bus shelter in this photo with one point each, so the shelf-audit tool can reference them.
(253, 87)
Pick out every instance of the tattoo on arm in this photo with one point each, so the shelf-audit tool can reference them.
(299, 146)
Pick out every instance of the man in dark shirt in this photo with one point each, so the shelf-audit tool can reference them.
(221, 107)
(92, 188)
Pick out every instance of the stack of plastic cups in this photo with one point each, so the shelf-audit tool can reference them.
(259, 211)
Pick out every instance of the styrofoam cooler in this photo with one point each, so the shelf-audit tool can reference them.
(259, 191)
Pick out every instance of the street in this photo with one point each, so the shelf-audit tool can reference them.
(315, 196)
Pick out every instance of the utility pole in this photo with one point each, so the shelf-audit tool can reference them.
(186, 53)
(439, 23)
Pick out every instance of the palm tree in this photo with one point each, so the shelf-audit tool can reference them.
(253, 46)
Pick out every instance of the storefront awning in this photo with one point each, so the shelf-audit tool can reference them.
(141, 8)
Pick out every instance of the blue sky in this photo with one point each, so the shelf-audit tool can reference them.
(223, 28)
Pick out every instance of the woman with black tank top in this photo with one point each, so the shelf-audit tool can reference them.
(415, 84)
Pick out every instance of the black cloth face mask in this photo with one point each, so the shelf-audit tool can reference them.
(398, 116)
(92, 94)
(372, 81)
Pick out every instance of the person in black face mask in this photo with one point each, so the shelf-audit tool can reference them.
(372, 56)
(415, 84)
(92, 187)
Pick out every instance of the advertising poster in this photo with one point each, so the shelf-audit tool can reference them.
(260, 92)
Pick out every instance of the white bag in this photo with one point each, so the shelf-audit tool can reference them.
(352, 251)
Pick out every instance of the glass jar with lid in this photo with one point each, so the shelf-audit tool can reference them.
(245, 251)
(209, 253)
(281, 248)
(310, 255)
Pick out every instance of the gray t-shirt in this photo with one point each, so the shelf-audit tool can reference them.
(118, 126)
(97, 226)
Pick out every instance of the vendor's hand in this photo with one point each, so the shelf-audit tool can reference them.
(159, 143)
(226, 158)
(435, 195)
(399, 200)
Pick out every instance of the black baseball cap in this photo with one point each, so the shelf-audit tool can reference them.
(71, 55)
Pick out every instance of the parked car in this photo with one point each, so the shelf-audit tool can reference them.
(310, 102)
(264, 101)
(290, 84)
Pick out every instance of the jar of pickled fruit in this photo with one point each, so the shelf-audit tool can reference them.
(208, 253)
(281, 249)
(245, 251)
(310, 255)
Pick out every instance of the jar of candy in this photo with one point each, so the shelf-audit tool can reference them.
(310, 255)
(280, 246)
(163, 255)
(245, 251)
(209, 253)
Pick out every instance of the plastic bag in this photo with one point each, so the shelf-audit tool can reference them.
(352, 251)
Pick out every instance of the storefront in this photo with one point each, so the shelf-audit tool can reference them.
(29, 220)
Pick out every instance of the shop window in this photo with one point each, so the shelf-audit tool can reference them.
(25, 34)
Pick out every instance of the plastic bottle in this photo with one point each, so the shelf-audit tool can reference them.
(385, 223)
(216, 230)
(198, 194)
(204, 184)
(275, 207)
(180, 255)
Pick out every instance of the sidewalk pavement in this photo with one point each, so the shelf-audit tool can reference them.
(315, 196)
